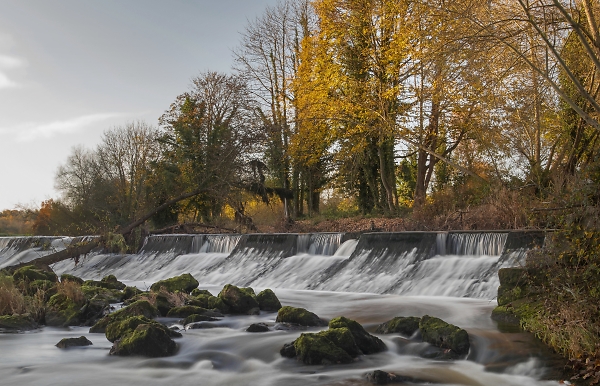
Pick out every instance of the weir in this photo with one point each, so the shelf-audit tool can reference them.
(458, 264)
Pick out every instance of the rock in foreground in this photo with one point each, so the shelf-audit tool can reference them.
(299, 316)
(444, 335)
(147, 340)
(74, 342)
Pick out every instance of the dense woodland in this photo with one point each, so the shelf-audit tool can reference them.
(426, 110)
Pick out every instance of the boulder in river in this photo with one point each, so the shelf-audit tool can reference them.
(17, 322)
(367, 343)
(63, 310)
(74, 342)
(183, 283)
(405, 325)
(119, 328)
(299, 316)
(239, 300)
(257, 327)
(141, 307)
(268, 301)
(147, 340)
(317, 349)
(444, 335)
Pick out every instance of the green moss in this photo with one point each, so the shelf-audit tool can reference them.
(139, 308)
(62, 311)
(185, 311)
(299, 316)
(268, 301)
(218, 304)
(119, 328)
(73, 342)
(31, 273)
(104, 284)
(184, 283)
(315, 349)
(197, 318)
(367, 343)
(198, 292)
(66, 277)
(101, 293)
(130, 292)
(406, 326)
(17, 322)
(148, 340)
(112, 282)
(239, 300)
(444, 335)
(342, 338)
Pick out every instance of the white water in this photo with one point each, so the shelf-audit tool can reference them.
(346, 281)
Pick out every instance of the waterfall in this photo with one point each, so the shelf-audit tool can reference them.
(22, 249)
(458, 264)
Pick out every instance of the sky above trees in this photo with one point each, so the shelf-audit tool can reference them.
(71, 69)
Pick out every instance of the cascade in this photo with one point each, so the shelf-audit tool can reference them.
(457, 264)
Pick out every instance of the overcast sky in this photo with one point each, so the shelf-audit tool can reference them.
(70, 69)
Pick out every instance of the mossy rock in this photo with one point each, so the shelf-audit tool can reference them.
(104, 284)
(147, 340)
(199, 301)
(218, 304)
(301, 316)
(239, 300)
(130, 292)
(185, 311)
(74, 342)
(257, 327)
(47, 287)
(119, 328)
(197, 292)
(268, 301)
(405, 325)
(139, 308)
(107, 295)
(367, 343)
(343, 338)
(17, 322)
(92, 311)
(112, 281)
(74, 279)
(184, 283)
(316, 349)
(30, 273)
(194, 318)
(444, 335)
(62, 311)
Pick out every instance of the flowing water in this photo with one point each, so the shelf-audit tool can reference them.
(370, 279)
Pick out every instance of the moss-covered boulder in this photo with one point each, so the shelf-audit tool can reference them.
(239, 300)
(367, 343)
(30, 273)
(199, 301)
(257, 327)
(119, 328)
(74, 279)
(139, 308)
(108, 282)
(17, 322)
(218, 304)
(63, 311)
(444, 335)
(46, 287)
(267, 301)
(343, 338)
(301, 316)
(405, 325)
(101, 293)
(74, 342)
(130, 292)
(316, 349)
(198, 292)
(183, 283)
(147, 340)
(185, 311)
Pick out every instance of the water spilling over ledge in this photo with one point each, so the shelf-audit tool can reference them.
(458, 264)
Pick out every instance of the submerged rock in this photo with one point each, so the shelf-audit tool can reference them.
(257, 327)
(268, 301)
(367, 343)
(299, 316)
(405, 325)
(239, 300)
(74, 342)
(444, 335)
(147, 340)
(379, 377)
(183, 283)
